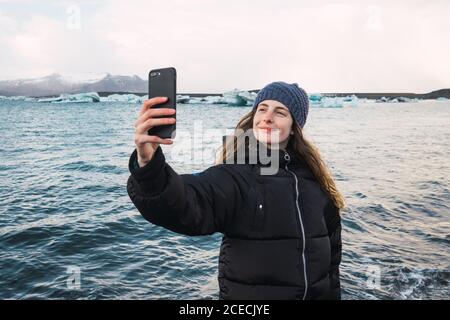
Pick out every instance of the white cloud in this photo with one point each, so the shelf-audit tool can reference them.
(220, 45)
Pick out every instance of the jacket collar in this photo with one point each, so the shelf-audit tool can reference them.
(287, 156)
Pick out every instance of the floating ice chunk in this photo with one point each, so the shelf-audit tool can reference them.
(319, 101)
(182, 99)
(350, 98)
(214, 100)
(81, 98)
(315, 100)
(442, 99)
(127, 98)
(315, 97)
(382, 99)
(396, 100)
(332, 102)
(74, 98)
(250, 97)
(233, 98)
(235, 101)
(351, 101)
(60, 98)
(195, 100)
(405, 99)
(15, 98)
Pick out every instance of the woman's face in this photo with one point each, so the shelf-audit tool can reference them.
(272, 123)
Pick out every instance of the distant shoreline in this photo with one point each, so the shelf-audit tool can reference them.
(368, 95)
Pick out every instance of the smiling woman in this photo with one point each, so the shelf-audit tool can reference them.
(281, 232)
(272, 120)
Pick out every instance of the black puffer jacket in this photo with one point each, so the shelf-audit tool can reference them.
(282, 233)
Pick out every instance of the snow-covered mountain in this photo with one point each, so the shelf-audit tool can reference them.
(55, 84)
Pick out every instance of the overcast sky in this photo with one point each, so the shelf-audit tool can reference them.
(325, 46)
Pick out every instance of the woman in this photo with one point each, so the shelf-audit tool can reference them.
(281, 232)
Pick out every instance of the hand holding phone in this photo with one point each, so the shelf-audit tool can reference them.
(162, 83)
(150, 117)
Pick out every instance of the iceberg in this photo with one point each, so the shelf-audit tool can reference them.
(332, 102)
(214, 100)
(351, 101)
(16, 98)
(74, 98)
(127, 98)
(442, 99)
(235, 101)
(195, 100)
(382, 99)
(350, 98)
(315, 99)
(235, 97)
(396, 100)
(250, 97)
(182, 99)
(404, 99)
(319, 101)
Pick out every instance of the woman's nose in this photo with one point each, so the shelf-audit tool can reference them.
(268, 117)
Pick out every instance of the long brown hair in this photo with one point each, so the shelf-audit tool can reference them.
(304, 148)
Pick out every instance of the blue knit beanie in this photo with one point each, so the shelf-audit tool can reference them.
(291, 95)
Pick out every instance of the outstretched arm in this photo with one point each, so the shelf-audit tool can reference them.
(189, 204)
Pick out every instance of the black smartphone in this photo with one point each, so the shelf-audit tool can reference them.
(163, 83)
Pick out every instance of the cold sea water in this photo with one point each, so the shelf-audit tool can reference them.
(68, 229)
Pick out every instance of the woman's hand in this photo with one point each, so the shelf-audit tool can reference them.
(146, 145)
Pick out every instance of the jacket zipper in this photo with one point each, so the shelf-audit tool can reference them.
(288, 159)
